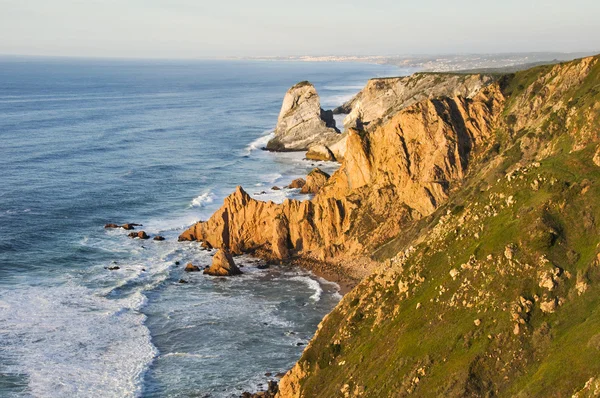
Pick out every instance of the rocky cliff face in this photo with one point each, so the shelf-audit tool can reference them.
(384, 97)
(496, 292)
(481, 206)
(302, 123)
(401, 171)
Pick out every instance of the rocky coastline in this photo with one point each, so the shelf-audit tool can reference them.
(417, 152)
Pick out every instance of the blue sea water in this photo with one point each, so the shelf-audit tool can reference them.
(87, 142)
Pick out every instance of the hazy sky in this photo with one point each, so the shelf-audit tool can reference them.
(209, 28)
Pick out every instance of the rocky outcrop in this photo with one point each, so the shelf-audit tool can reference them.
(141, 235)
(383, 97)
(302, 123)
(130, 226)
(401, 171)
(297, 183)
(222, 265)
(191, 268)
(320, 152)
(315, 180)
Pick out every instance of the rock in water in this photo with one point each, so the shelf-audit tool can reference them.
(158, 237)
(191, 268)
(141, 235)
(302, 123)
(297, 183)
(314, 181)
(222, 265)
(111, 225)
(130, 226)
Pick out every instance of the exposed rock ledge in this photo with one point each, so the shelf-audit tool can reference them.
(302, 122)
(383, 97)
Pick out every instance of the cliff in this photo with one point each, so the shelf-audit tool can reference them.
(384, 97)
(401, 171)
(470, 212)
(496, 292)
(302, 122)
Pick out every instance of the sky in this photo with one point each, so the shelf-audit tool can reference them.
(222, 28)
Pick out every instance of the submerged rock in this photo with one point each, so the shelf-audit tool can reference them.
(302, 123)
(222, 265)
(159, 237)
(111, 225)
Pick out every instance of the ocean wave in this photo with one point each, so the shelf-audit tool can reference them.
(72, 341)
(312, 284)
(259, 143)
(187, 355)
(203, 199)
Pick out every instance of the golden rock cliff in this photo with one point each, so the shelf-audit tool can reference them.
(400, 171)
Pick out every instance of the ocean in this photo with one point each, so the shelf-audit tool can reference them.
(88, 142)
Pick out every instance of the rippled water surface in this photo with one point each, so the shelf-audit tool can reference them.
(86, 142)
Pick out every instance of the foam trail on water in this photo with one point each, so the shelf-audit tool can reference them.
(203, 199)
(259, 143)
(42, 326)
(312, 284)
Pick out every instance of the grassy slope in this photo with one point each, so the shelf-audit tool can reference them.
(385, 341)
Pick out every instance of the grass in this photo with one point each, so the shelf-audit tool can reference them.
(450, 336)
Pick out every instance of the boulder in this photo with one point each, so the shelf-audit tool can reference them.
(320, 152)
(302, 123)
(141, 235)
(111, 226)
(275, 188)
(159, 238)
(315, 180)
(191, 268)
(297, 183)
(130, 226)
(222, 265)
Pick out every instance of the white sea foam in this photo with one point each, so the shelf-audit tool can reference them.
(259, 143)
(187, 354)
(312, 284)
(69, 341)
(203, 199)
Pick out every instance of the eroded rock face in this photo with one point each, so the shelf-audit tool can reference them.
(320, 152)
(302, 123)
(222, 265)
(383, 97)
(315, 180)
(401, 171)
(297, 183)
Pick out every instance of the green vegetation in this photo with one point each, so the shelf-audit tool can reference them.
(498, 292)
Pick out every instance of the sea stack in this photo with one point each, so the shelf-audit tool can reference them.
(302, 122)
(222, 265)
